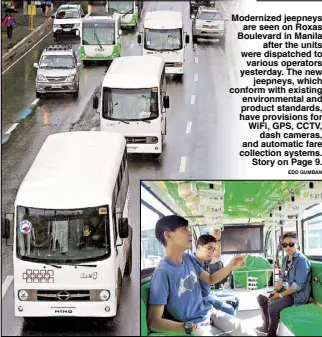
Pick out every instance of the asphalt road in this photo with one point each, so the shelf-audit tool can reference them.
(198, 124)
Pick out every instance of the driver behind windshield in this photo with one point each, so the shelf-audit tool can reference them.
(93, 232)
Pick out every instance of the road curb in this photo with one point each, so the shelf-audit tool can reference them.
(27, 112)
(25, 44)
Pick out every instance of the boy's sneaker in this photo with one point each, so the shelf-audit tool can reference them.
(262, 330)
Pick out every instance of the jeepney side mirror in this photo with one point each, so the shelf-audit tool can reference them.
(166, 102)
(187, 38)
(95, 102)
(120, 32)
(193, 16)
(124, 228)
(36, 65)
(139, 38)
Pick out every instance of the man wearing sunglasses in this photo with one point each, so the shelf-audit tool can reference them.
(293, 287)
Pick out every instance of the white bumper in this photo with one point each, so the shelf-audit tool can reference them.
(70, 309)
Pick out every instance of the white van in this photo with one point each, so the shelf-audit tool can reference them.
(163, 35)
(72, 241)
(67, 20)
(134, 102)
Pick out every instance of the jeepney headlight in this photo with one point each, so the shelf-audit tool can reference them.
(104, 295)
(56, 26)
(155, 140)
(23, 295)
(178, 64)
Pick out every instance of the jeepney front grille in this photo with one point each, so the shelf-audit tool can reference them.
(63, 295)
(136, 140)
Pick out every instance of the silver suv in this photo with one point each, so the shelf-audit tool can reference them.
(58, 71)
(208, 23)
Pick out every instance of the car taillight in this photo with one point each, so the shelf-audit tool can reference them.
(179, 64)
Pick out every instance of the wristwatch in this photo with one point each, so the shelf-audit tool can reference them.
(188, 327)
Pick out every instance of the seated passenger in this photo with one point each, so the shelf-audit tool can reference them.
(93, 233)
(175, 288)
(205, 249)
(293, 287)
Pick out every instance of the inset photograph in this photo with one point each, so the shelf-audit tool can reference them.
(231, 258)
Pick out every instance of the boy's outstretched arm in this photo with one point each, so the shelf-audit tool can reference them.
(235, 263)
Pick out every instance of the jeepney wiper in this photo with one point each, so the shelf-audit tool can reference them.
(52, 265)
(128, 12)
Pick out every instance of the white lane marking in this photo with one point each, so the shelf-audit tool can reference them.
(193, 99)
(93, 128)
(6, 284)
(35, 101)
(183, 164)
(12, 128)
(188, 128)
(25, 53)
(196, 59)
(132, 45)
(196, 78)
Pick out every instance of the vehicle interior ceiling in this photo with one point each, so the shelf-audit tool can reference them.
(276, 205)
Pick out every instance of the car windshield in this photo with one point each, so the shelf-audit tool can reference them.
(130, 104)
(53, 236)
(163, 39)
(98, 33)
(71, 13)
(210, 16)
(57, 62)
(121, 6)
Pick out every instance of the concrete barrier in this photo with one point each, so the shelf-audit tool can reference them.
(25, 44)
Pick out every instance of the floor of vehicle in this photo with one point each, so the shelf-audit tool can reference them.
(249, 311)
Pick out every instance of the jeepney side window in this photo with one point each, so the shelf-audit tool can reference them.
(163, 86)
(123, 178)
(115, 194)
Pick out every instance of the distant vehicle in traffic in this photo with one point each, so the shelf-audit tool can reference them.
(134, 101)
(130, 11)
(194, 5)
(67, 20)
(100, 37)
(72, 238)
(208, 23)
(58, 71)
(164, 36)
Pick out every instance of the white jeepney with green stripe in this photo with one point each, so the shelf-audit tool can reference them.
(130, 11)
(100, 37)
